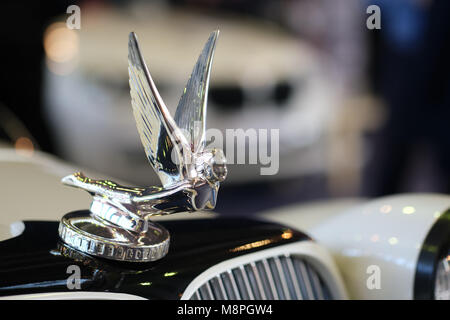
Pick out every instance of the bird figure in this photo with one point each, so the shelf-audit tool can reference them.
(189, 172)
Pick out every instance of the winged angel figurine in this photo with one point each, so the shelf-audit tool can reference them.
(175, 147)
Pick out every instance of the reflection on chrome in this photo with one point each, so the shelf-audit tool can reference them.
(118, 225)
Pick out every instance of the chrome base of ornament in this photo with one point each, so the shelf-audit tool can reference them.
(83, 231)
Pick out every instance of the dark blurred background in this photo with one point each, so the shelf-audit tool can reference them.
(361, 112)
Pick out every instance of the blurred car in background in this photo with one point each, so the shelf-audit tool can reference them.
(272, 71)
(263, 78)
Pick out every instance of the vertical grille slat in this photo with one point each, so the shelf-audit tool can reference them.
(296, 285)
(240, 284)
(265, 280)
(248, 288)
(222, 287)
(302, 275)
(271, 280)
(252, 281)
(284, 284)
(316, 283)
(258, 281)
(205, 292)
(217, 288)
(276, 278)
(283, 277)
(230, 286)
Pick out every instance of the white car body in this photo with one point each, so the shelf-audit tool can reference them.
(382, 237)
(361, 237)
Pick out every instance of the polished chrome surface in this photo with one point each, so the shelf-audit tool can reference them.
(87, 234)
(164, 144)
(191, 111)
(189, 173)
(285, 277)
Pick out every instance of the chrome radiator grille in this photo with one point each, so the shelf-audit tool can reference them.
(275, 278)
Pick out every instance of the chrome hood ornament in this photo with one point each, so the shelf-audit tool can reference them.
(118, 225)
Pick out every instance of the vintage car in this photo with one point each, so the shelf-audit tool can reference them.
(128, 245)
(329, 250)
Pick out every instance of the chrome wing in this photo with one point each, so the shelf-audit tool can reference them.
(191, 111)
(165, 145)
